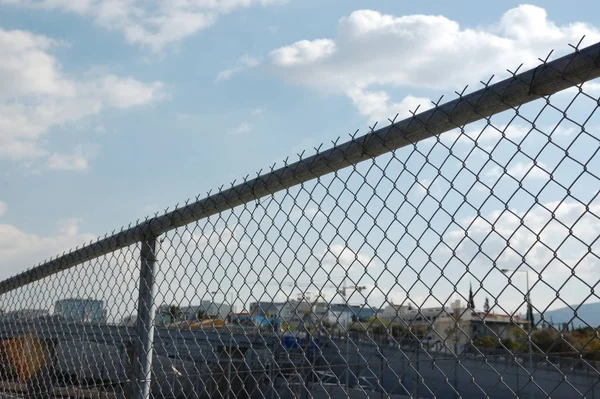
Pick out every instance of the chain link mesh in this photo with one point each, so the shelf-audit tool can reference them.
(432, 270)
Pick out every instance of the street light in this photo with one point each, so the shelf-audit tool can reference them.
(229, 382)
(529, 322)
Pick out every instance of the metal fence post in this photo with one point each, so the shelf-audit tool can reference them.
(145, 321)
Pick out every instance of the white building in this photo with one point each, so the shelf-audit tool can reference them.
(412, 316)
(461, 326)
(392, 313)
(293, 311)
(342, 317)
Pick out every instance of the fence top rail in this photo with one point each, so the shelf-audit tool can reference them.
(544, 80)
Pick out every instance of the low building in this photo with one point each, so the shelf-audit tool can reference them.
(461, 326)
(291, 312)
(341, 317)
(391, 313)
(266, 309)
(206, 309)
(129, 321)
(24, 315)
(80, 310)
(412, 317)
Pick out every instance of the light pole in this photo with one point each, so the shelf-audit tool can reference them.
(344, 293)
(229, 382)
(529, 322)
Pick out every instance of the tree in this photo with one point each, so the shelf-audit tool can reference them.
(200, 315)
(174, 313)
(397, 329)
(471, 303)
(486, 305)
(530, 317)
(487, 341)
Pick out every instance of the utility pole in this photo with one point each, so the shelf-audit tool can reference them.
(344, 293)
(529, 321)
(229, 382)
(529, 326)
(417, 379)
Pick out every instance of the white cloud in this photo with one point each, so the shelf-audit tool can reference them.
(245, 62)
(36, 95)
(127, 92)
(150, 23)
(376, 104)
(243, 127)
(591, 88)
(2, 208)
(486, 136)
(303, 52)
(21, 250)
(374, 50)
(346, 258)
(76, 161)
(552, 238)
(520, 170)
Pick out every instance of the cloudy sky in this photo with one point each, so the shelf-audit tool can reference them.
(112, 110)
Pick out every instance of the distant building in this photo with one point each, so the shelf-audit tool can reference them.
(413, 317)
(342, 317)
(129, 321)
(209, 309)
(460, 326)
(266, 309)
(392, 313)
(24, 314)
(297, 312)
(80, 310)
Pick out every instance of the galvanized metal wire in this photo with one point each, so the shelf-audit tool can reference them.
(422, 259)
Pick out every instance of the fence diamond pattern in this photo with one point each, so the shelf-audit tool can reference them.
(423, 259)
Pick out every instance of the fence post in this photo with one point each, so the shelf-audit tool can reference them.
(145, 321)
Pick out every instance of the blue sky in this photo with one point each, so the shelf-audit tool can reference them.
(128, 110)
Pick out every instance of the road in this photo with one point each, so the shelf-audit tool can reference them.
(434, 375)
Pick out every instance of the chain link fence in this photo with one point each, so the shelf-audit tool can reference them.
(425, 259)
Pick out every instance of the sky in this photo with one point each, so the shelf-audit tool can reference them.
(114, 110)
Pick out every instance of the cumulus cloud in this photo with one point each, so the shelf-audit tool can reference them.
(520, 170)
(373, 50)
(378, 107)
(78, 160)
(21, 250)
(339, 255)
(37, 95)
(245, 62)
(127, 92)
(303, 52)
(552, 238)
(112, 278)
(152, 24)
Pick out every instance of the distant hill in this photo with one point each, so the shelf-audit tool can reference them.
(587, 314)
